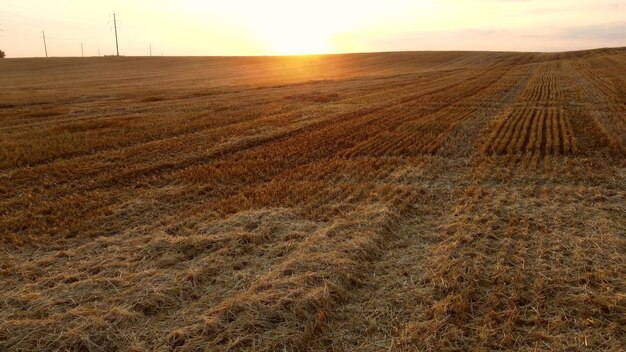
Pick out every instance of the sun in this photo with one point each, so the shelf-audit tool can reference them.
(295, 28)
(296, 35)
(297, 41)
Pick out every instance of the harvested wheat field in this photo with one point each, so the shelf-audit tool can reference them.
(410, 201)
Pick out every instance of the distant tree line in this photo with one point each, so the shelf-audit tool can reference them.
(2, 54)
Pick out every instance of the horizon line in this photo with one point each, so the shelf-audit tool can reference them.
(323, 54)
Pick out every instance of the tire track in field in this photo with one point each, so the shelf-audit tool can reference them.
(602, 105)
(376, 314)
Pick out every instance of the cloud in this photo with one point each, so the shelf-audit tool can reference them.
(556, 38)
(612, 31)
(535, 7)
(618, 6)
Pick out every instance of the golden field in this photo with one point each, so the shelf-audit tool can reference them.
(410, 201)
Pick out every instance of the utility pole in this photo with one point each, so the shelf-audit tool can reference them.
(150, 49)
(117, 47)
(98, 51)
(82, 51)
(44, 42)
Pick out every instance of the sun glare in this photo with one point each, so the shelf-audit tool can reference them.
(297, 42)
(290, 28)
(295, 36)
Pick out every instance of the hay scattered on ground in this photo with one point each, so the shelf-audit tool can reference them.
(371, 202)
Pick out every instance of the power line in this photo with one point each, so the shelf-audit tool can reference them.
(32, 19)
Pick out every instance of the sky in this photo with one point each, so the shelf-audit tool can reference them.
(282, 27)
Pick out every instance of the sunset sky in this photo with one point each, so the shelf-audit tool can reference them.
(276, 27)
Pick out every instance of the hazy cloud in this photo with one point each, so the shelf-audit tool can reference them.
(613, 31)
(546, 39)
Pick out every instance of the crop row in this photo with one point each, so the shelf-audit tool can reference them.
(533, 130)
